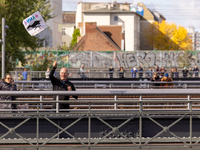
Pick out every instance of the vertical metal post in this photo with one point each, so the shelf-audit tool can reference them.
(41, 99)
(140, 123)
(57, 104)
(115, 104)
(37, 136)
(190, 106)
(188, 102)
(3, 48)
(89, 125)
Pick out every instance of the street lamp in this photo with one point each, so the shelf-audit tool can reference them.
(3, 42)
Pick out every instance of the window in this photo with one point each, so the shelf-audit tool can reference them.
(63, 31)
(115, 18)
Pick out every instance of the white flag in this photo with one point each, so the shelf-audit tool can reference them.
(34, 24)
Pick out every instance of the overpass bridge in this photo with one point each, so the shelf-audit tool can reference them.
(119, 121)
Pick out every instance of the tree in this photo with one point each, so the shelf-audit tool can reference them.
(43, 65)
(18, 40)
(74, 38)
(165, 36)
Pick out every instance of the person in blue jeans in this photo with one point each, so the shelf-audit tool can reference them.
(25, 74)
(134, 72)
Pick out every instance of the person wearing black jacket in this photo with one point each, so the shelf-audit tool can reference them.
(111, 70)
(154, 79)
(196, 70)
(62, 84)
(7, 84)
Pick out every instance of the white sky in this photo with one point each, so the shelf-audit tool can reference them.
(181, 12)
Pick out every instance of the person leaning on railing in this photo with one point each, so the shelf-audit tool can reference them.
(166, 78)
(7, 84)
(154, 79)
(62, 84)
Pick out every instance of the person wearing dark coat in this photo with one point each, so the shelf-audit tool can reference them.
(196, 70)
(140, 72)
(7, 84)
(185, 72)
(121, 72)
(62, 84)
(155, 78)
(111, 70)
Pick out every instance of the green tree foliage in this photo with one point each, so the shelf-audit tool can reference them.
(17, 38)
(74, 37)
(43, 65)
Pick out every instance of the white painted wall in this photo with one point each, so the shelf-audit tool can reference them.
(100, 19)
(55, 25)
(127, 21)
(69, 29)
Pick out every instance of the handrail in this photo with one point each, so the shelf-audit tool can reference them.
(111, 81)
(102, 74)
(122, 92)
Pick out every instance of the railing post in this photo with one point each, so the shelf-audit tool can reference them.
(57, 104)
(22, 86)
(89, 126)
(190, 107)
(185, 85)
(33, 87)
(115, 104)
(41, 99)
(140, 123)
(37, 136)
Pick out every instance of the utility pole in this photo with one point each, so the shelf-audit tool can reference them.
(3, 48)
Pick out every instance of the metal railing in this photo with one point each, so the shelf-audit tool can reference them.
(141, 112)
(46, 85)
(17, 75)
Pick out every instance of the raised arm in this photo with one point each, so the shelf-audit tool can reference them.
(51, 75)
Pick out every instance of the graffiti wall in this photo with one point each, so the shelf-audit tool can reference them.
(93, 59)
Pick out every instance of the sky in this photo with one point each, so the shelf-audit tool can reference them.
(181, 12)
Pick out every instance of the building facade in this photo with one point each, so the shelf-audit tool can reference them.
(69, 19)
(111, 14)
(53, 36)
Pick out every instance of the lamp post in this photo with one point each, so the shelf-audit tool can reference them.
(3, 48)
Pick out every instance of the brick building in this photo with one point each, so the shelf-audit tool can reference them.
(96, 40)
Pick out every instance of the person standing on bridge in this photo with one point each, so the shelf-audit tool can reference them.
(166, 79)
(7, 84)
(62, 84)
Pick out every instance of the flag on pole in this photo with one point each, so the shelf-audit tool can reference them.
(34, 24)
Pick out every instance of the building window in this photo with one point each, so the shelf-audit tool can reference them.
(115, 18)
(63, 31)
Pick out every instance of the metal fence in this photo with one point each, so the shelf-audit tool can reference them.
(46, 85)
(190, 110)
(17, 75)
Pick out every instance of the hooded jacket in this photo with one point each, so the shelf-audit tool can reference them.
(4, 86)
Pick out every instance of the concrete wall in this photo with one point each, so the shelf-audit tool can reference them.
(92, 59)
